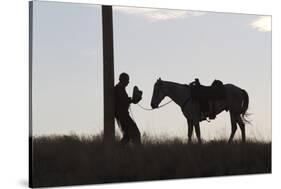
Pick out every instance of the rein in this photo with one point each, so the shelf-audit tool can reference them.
(149, 109)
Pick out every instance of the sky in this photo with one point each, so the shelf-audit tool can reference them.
(176, 45)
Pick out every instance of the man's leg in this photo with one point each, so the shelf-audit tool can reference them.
(123, 123)
(125, 139)
(134, 133)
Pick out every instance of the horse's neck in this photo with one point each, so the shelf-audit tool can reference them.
(177, 92)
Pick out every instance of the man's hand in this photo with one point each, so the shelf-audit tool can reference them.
(136, 100)
(130, 100)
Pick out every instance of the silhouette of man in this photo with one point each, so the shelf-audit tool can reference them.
(128, 127)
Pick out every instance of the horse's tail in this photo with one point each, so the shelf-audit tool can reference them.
(244, 107)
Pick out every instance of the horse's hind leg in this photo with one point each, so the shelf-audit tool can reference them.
(190, 130)
(197, 131)
(242, 128)
(233, 127)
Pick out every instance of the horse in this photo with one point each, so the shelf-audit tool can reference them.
(236, 101)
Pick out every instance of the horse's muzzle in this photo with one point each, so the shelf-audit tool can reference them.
(153, 106)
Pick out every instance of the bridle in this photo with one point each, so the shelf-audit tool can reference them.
(149, 109)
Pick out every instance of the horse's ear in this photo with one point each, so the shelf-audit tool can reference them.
(159, 81)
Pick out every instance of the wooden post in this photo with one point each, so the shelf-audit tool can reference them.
(30, 144)
(108, 75)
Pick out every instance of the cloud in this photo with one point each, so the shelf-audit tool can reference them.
(158, 14)
(262, 24)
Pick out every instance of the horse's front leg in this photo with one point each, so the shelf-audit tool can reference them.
(197, 131)
(190, 130)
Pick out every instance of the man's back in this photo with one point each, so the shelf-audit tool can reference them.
(122, 101)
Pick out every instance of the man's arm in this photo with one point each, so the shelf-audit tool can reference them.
(123, 97)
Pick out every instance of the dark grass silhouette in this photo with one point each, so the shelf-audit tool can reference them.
(73, 160)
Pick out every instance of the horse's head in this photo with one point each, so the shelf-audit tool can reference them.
(158, 94)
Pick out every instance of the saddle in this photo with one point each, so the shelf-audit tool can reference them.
(207, 95)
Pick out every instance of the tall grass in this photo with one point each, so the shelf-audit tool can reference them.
(71, 160)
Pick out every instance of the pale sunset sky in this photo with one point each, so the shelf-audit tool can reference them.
(176, 45)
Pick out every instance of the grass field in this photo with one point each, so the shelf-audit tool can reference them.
(72, 160)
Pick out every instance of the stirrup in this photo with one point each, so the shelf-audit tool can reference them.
(212, 117)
